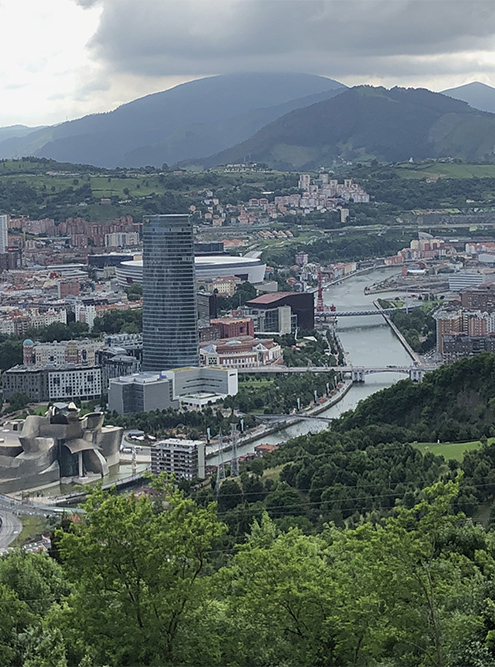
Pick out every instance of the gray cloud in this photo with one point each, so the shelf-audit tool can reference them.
(159, 38)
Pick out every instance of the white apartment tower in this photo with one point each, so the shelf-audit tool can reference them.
(4, 237)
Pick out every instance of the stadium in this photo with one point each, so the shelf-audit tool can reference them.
(215, 266)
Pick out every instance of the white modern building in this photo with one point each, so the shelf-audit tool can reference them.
(121, 239)
(85, 314)
(145, 392)
(83, 383)
(207, 267)
(51, 384)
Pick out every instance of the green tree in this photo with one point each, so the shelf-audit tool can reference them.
(18, 402)
(136, 565)
(10, 354)
(134, 292)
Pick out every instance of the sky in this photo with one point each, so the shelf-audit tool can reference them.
(63, 59)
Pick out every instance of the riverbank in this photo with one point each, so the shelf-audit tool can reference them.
(414, 355)
(354, 274)
(260, 432)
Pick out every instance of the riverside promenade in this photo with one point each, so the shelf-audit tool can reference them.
(414, 355)
(261, 431)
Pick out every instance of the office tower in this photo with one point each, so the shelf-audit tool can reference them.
(170, 327)
(4, 238)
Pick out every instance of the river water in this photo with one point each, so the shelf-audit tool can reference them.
(367, 341)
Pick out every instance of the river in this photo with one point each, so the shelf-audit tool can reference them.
(367, 340)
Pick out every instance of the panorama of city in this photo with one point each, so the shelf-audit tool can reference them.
(247, 335)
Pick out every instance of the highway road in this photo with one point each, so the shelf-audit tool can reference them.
(10, 528)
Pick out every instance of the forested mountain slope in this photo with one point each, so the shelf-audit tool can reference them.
(455, 402)
(190, 120)
(366, 122)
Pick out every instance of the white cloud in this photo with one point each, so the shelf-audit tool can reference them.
(67, 58)
(45, 47)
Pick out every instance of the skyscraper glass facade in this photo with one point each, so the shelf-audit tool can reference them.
(170, 329)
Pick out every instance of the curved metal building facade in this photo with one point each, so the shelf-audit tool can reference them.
(170, 329)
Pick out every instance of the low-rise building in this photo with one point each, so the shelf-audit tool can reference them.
(241, 352)
(58, 354)
(230, 327)
(145, 392)
(463, 279)
(459, 346)
(51, 384)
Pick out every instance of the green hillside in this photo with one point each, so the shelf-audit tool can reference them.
(366, 123)
(454, 403)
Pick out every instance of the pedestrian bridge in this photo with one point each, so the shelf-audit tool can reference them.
(356, 313)
(296, 416)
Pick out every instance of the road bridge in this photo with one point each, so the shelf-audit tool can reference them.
(357, 373)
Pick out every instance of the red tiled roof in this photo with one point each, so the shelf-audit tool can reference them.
(270, 298)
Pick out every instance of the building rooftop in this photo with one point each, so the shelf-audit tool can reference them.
(265, 299)
(208, 260)
(179, 442)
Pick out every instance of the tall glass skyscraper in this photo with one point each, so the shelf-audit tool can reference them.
(170, 320)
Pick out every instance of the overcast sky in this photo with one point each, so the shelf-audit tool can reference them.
(62, 59)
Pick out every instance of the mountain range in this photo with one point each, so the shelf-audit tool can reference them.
(290, 121)
(477, 95)
(191, 120)
(363, 123)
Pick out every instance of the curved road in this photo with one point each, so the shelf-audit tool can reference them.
(10, 528)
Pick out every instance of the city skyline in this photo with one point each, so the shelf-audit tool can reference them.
(90, 56)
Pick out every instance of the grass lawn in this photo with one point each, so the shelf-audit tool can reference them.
(273, 473)
(40, 410)
(31, 526)
(446, 170)
(449, 450)
(255, 383)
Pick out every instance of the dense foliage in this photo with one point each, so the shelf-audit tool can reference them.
(403, 193)
(141, 582)
(418, 327)
(119, 321)
(280, 394)
(341, 247)
(453, 403)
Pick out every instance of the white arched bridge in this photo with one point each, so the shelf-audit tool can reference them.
(357, 373)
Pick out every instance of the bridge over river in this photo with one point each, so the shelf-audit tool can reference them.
(357, 313)
(357, 373)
